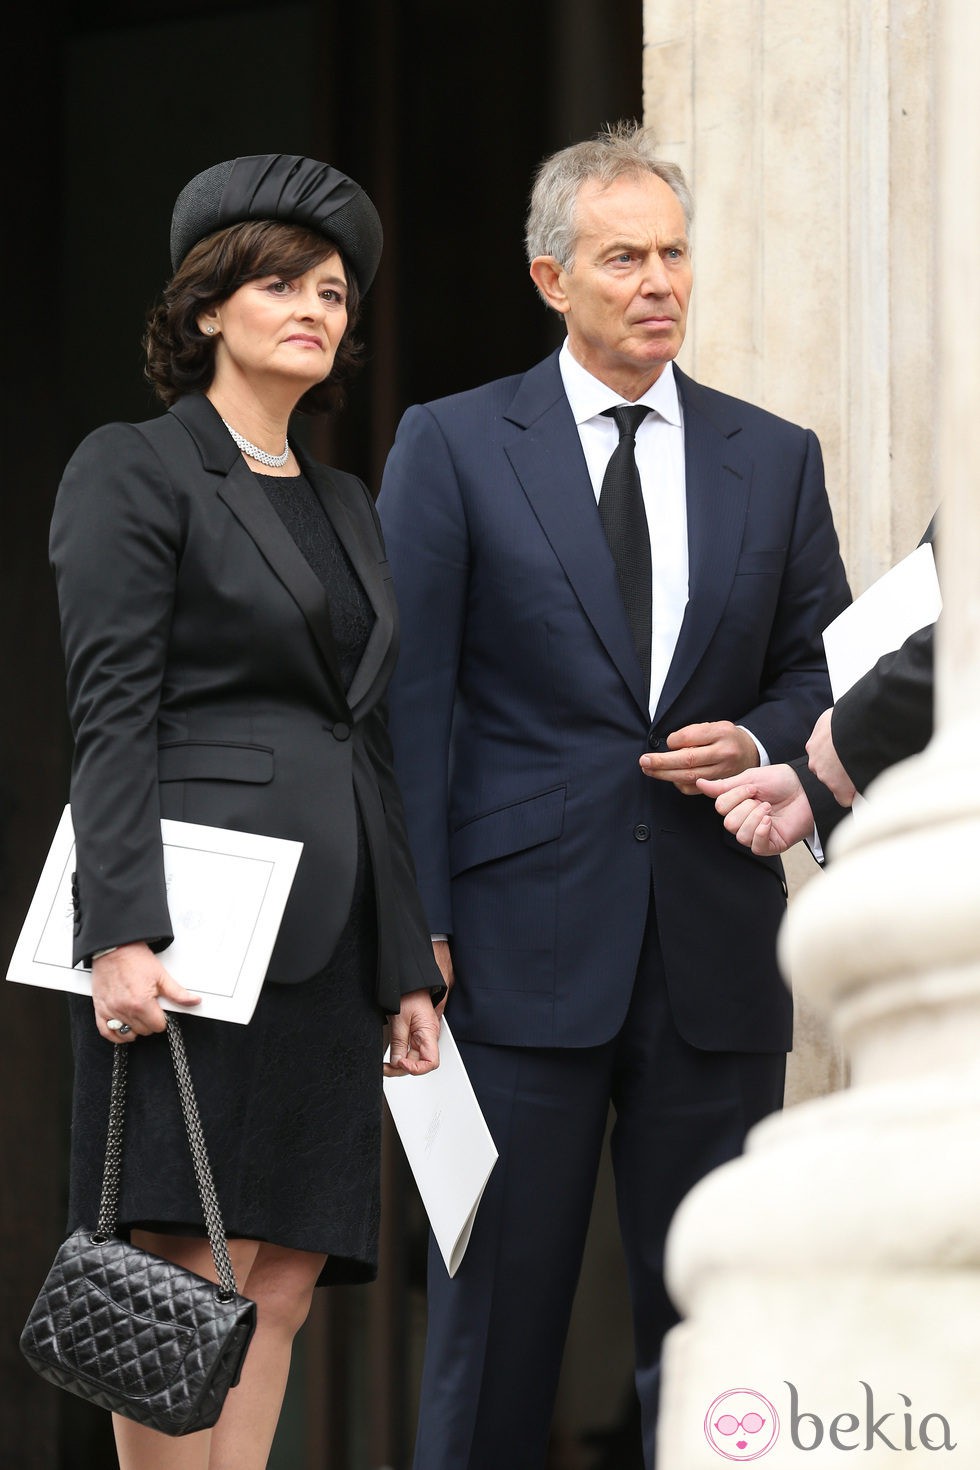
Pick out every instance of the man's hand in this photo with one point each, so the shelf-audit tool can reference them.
(440, 948)
(766, 809)
(708, 751)
(126, 986)
(414, 1037)
(825, 763)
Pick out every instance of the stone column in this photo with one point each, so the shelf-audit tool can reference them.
(832, 1274)
(804, 131)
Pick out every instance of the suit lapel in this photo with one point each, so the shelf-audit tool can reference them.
(718, 476)
(250, 505)
(343, 503)
(247, 500)
(548, 460)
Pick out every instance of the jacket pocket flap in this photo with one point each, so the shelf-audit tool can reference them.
(215, 760)
(509, 829)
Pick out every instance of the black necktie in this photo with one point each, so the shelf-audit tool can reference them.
(624, 521)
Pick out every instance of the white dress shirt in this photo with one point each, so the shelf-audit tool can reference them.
(660, 461)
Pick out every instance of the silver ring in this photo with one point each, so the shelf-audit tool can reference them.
(120, 1027)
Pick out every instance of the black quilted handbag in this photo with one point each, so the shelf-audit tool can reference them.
(127, 1330)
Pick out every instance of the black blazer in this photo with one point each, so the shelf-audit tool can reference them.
(885, 717)
(203, 684)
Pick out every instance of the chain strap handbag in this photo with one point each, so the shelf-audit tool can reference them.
(132, 1332)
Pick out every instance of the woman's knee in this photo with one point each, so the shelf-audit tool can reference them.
(281, 1283)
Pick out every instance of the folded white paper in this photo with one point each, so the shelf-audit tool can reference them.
(901, 602)
(447, 1144)
(226, 892)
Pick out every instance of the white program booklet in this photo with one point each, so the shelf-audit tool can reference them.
(447, 1144)
(226, 892)
(901, 602)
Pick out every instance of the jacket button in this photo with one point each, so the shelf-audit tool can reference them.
(641, 832)
(656, 742)
(341, 731)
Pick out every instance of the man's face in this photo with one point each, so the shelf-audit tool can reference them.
(626, 294)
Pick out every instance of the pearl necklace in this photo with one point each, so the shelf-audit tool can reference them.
(274, 461)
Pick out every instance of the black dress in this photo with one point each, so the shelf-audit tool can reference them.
(290, 1103)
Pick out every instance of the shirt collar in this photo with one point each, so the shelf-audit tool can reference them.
(588, 397)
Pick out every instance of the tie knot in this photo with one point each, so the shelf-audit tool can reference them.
(628, 417)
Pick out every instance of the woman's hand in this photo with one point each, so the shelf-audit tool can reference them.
(126, 984)
(414, 1037)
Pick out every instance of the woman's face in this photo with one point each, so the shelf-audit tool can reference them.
(275, 328)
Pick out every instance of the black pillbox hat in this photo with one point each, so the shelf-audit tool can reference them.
(280, 186)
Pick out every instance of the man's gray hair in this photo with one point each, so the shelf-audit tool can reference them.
(619, 150)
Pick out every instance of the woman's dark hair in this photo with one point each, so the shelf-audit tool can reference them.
(180, 358)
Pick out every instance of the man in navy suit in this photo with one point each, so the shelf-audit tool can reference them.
(608, 941)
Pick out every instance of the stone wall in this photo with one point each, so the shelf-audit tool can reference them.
(804, 130)
(835, 1268)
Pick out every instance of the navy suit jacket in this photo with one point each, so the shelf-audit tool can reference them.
(203, 685)
(518, 712)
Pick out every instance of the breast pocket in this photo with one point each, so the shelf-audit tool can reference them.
(752, 602)
(761, 562)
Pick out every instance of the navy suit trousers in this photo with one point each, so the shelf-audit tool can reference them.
(496, 1330)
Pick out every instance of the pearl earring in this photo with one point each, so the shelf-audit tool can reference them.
(210, 331)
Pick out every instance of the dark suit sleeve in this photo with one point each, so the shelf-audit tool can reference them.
(795, 686)
(412, 944)
(114, 547)
(887, 715)
(415, 964)
(428, 547)
(826, 811)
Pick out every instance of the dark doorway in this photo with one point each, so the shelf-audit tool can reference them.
(442, 111)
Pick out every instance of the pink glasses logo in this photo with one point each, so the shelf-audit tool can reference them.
(741, 1425)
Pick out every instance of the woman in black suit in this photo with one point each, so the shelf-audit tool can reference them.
(229, 630)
